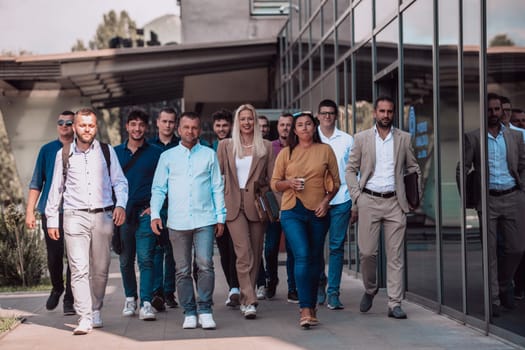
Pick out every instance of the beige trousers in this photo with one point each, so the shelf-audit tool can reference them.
(374, 211)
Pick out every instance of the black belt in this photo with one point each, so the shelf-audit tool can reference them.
(379, 194)
(497, 193)
(97, 210)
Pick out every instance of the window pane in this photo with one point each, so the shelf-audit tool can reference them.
(363, 21)
(418, 119)
(386, 45)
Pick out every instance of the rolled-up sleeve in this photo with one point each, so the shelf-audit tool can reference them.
(55, 193)
(118, 180)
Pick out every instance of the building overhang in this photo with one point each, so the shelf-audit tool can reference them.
(119, 77)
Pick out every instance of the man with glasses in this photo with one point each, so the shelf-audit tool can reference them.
(39, 187)
(340, 205)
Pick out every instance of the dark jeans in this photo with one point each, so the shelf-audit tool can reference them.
(228, 258)
(306, 234)
(55, 261)
(271, 255)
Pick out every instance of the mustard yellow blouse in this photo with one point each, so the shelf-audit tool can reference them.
(311, 164)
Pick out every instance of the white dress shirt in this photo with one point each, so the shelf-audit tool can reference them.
(383, 179)
(341, 144)
(88, 184)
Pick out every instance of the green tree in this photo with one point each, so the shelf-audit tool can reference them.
(501, 40)
(112, 25)
(79, 46)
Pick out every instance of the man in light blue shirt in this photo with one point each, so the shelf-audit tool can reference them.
(189, 175)
(340, 205)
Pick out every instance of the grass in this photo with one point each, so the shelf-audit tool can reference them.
(6, 323)
(43, 286)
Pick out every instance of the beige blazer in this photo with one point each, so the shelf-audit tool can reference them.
(362, 161)
(261, 170)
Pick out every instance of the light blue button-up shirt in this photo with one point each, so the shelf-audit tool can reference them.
(499, 175)
(192, 181)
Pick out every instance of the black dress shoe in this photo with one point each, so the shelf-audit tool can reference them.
(397, 312)
(507, 299)
(158, 303)
(272, 288)
(366, 302)
(69, 310)
(170, 301)
(496, 310)
(53, 299)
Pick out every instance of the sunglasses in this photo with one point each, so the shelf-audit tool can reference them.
(300, 114)
(62, 122)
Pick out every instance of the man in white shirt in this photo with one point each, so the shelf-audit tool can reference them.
(381, 156)
(340, 205)
(85, 183)
(190, 176)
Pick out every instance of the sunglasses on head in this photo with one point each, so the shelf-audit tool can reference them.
(300, 114)
(62, 122)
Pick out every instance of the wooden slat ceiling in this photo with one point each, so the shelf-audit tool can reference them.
(118, 77)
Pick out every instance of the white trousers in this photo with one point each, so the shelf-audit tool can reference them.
(88, 243)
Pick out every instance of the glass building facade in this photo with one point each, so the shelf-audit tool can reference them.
(438, 60)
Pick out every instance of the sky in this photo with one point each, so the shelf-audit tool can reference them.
(53, 26)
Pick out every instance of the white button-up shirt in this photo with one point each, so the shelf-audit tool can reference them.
(88, 184)
(341, 144)
(383, 180)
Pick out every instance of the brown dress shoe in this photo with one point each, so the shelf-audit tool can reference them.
(306, 317)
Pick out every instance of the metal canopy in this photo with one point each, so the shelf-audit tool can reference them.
(118, 77)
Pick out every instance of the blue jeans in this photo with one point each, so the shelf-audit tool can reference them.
(339, 220)
(201, 240)
(271, 255)
(306, 234)
(137, 239)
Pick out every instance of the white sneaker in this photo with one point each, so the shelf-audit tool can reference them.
(130, 305)
(234, 297)
(250, 312)
(97, 319)
(261, 293)
(146, 312)
(84, 327)
(206, 321)
(190, 322)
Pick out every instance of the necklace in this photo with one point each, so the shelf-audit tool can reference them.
(248, 146)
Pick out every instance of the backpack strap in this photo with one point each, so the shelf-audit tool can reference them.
(66, 147)
(107, 157)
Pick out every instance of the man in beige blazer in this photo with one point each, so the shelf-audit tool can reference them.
(505, 201)
(381, 156)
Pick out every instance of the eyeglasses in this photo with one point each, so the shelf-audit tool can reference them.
(62, 122)
(324, 114)
(300, 114)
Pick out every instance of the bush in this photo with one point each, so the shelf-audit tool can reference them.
(22, 251)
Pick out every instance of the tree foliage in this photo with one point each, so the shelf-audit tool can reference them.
(112, 25)
(501, 40)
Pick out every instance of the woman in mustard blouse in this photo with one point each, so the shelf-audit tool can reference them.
(300, 173)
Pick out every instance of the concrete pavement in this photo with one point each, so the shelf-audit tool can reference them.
(276, 326)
